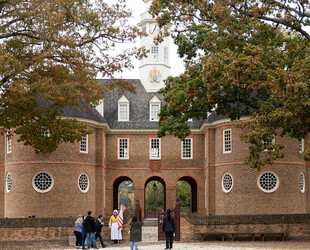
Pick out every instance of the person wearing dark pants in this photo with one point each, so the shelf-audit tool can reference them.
(78, 228)
(99, 225)
(90, 229)
(169, 229)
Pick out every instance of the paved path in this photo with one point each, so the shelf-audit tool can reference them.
(206, 245)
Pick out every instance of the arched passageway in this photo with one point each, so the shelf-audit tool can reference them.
(154, 196)
(123, 192)
(186, 191)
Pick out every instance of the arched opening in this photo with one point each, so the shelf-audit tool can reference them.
(123, 192)
(186, 191)
(154, 197)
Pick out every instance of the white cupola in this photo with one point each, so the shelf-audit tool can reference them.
(156, 67)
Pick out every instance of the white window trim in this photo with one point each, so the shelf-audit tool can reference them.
(118, 149)
(123, 101)
(154, 56)
(182, 152)
(304, 183)
(88, 183)
(272, 190)
(232, 182)
(223, 134)
(86, 151)
(42, 191)
(302, 143)
(150, 153)
(9, 145)
(151, 104)
(6, 182)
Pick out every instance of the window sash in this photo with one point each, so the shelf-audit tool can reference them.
(123, 148)
(9, 145)
(227, 141)
(123, 112)
(187, 148)
(155, 148)
(301, 145)
(155, 112)
(154, 53)
(84, 144)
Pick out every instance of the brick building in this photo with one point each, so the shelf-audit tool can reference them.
(124, 146)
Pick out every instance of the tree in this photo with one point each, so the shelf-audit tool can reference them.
(243, 58)
(184, 193)
(50, 54)
(154, 199)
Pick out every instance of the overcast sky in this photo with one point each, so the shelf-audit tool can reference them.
(137, 7)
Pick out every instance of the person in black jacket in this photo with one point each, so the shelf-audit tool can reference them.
(169, 228)
(90, 229)
(99, 225)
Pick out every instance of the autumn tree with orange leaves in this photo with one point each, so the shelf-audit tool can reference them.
(51, 52)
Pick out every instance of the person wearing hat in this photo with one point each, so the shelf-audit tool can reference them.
(116, 233)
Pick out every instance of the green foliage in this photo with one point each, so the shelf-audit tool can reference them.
(243, 58)
(184, 193)
(154, 199)
(50, 54)
(126, 189)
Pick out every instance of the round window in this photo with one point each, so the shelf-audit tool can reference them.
(9, 182)
(42, 182)
(83, 182)
(268, 181)
(301, 182)
(227, 182)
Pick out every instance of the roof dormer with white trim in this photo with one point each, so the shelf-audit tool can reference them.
(154, 104)
(123, 109)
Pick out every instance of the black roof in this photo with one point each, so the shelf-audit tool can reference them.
(139, 117)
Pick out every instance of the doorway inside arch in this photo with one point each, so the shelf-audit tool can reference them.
(186, 191)
(154, 197)
(123, 192)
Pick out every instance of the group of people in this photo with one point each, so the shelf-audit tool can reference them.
(88, 227)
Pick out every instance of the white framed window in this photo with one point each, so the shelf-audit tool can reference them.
(227, 141)
(123, 148)
(166, 55)
(301, 182)
(155, 148)
(268, 143)
(46, 133)
(301, 146)
(154, 54)
(227, 182)
(9, 182)
(268, 181)
(83, 182)
(84, 144)
(9, 145)
(123, 109)
(187, 148)
(42, 182)
(155, 104)
(154, 111)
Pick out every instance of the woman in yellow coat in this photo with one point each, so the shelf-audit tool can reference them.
(116, 232)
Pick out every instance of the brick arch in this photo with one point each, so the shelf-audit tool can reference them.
(187, 175)
(116, 181)
(163, 181)
(193, 182)
(122, 175)
(154, 175)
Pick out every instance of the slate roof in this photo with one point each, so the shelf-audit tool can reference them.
(139, 117)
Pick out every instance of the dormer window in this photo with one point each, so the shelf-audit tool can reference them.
(123, 109)
(154, 109)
